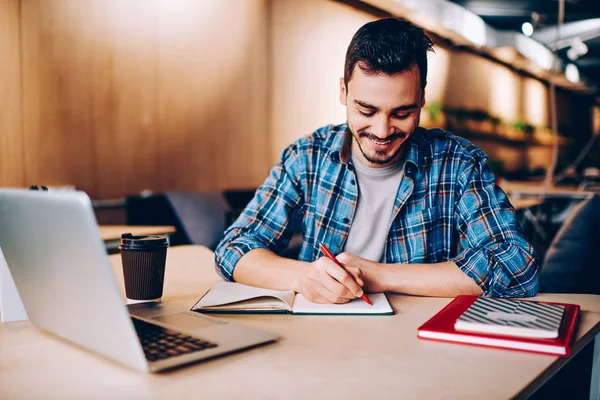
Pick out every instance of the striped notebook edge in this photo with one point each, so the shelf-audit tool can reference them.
(512, 318)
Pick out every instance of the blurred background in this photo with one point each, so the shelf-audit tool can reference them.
(138, 101)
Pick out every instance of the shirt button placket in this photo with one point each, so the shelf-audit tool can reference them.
(351, 169)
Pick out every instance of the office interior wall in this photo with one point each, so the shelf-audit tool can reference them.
(308, 46)
(11, 148)
(309, 39)
(123, 96)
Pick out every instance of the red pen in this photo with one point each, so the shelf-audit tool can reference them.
(326, 251)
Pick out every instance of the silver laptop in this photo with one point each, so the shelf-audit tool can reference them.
(58, 261)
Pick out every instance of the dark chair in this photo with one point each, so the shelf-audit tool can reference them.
(199, 218)
(572, 261)
(237, 200)
(202, 216)
(154, 209)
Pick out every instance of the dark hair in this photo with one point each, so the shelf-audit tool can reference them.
(390, 46)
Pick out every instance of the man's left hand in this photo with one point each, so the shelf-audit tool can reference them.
(371, 272)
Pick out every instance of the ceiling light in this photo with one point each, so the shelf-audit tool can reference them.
(572, 73)
(572, 54)
(578, 45)
(578, 49)
(527, 28)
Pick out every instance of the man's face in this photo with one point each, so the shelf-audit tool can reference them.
(382, 112)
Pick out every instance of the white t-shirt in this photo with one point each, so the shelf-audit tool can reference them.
(377, 189)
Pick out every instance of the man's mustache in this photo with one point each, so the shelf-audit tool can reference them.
(394, 136)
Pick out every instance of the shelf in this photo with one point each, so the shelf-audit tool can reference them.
(516, 142)
(493, 138)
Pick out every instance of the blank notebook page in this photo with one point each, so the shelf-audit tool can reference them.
(380, 305)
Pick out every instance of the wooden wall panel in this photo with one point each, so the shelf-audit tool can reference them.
(11, 149)
(309, 40)
(122, 96)
(56, 102)
(211, 95)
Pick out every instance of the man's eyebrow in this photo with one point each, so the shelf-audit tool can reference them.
(372, 107)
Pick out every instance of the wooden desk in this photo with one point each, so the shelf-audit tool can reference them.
(111, 234)
(317, 357)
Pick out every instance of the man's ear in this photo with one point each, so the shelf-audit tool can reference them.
(423, 99)
(343, 93)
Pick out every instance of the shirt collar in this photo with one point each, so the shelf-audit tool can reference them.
(419, 153)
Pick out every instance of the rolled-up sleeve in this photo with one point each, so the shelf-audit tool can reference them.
(496, 254)
(269, 219)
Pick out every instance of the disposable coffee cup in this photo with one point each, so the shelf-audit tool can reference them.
(143, 259)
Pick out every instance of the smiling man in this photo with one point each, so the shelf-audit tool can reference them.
(405, 209)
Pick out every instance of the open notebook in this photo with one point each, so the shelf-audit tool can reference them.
(229, 297)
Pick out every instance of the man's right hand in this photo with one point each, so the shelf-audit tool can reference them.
(323, 281)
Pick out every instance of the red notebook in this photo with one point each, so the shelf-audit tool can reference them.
(441, 327)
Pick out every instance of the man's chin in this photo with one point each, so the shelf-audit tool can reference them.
(380, 159)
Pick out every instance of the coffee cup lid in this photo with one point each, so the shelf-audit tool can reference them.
(147, 242)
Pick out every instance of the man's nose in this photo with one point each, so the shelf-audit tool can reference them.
(382, 127)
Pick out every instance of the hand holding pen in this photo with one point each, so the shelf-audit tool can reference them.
(325, 281)
(326, 251)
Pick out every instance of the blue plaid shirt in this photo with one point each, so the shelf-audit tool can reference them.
(447, 208)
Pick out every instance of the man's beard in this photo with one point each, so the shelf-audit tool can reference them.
(381, 157)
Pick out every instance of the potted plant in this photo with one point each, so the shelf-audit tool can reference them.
(460, 116)
(434, 115)
(496, 126)
(528, 131)
(477, 121)
(516, 130)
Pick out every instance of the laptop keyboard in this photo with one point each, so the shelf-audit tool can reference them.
(160, 343)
